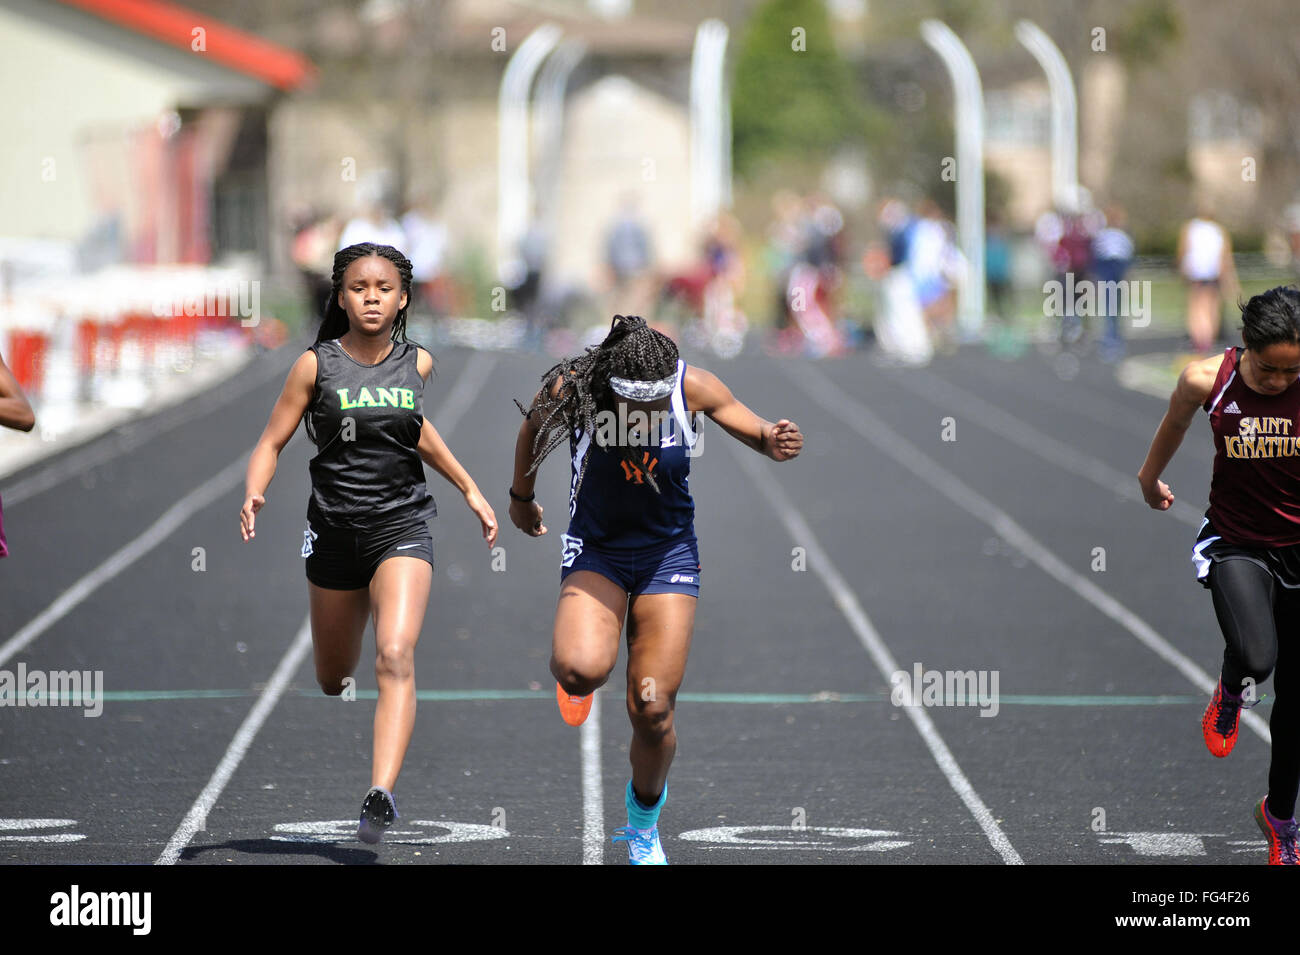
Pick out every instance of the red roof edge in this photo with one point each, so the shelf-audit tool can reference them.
(173, 24)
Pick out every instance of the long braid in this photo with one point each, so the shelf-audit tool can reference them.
(632, 349)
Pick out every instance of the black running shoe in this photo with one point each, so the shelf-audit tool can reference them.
(377, 814)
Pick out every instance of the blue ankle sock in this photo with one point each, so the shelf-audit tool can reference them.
(640, 816)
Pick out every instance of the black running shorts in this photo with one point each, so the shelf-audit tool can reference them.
(1282, 562)
(342, 559)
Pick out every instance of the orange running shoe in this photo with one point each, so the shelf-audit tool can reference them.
(1219, 724)
(573, 709)
(1281, 835)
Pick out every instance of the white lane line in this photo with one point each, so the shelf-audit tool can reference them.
(848, 605)
(197, 818)
(1024, 435)
(176, 515)
(593, 805)
(861, 419)
(461, 397)
(80, 461)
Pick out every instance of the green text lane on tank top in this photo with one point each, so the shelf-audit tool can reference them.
(365, 421)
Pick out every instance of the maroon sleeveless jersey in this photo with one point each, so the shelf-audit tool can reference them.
(1255, 491)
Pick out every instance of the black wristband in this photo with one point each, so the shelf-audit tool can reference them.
(521, 500)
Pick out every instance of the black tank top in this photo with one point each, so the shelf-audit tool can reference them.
(365, 421)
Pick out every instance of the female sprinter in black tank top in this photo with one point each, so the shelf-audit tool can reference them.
(368, 549)
(1248, 550)
(630, 552)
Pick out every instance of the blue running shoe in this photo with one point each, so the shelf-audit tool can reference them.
(642, 845)
(377, 814)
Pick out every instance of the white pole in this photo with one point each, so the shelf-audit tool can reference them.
(513, 196)
(548, 119)
(548, 126)
(1065, 112)
(968, 105)
(710, 123)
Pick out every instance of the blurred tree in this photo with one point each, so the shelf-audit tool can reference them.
(793, 97)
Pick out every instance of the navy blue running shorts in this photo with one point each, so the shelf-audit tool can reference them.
(342, 559)
(669, 568)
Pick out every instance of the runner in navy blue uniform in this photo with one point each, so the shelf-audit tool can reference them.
(628, 410)
(1248, 550)
(359, 389)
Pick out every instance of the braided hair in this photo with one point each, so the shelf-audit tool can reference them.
(335, 322)
(632, 349)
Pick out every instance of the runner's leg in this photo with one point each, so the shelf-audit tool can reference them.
(659, 639)
(399, 592)
(1244, 598)
(338, 624)
(588, 620)
(1284, 721)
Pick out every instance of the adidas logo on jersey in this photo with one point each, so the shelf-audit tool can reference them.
(1232, 408)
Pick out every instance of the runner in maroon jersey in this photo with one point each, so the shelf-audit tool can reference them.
(1248, 550)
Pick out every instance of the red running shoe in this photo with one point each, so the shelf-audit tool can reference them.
(1219, 724)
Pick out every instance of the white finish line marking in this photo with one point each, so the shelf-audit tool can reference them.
(345, 830)
(826, 838)
(11, 825)
(1161, 843)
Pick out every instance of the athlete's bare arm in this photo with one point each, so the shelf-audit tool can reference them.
(704, 391)
(435, 453)
(527, 515)
(288, 411)
(1189, 395)
(15, 411)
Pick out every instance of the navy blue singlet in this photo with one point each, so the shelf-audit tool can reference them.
(616, 508)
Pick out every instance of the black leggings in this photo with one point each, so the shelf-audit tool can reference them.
(1253, 610)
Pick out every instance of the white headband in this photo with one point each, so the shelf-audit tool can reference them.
(643, 390)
